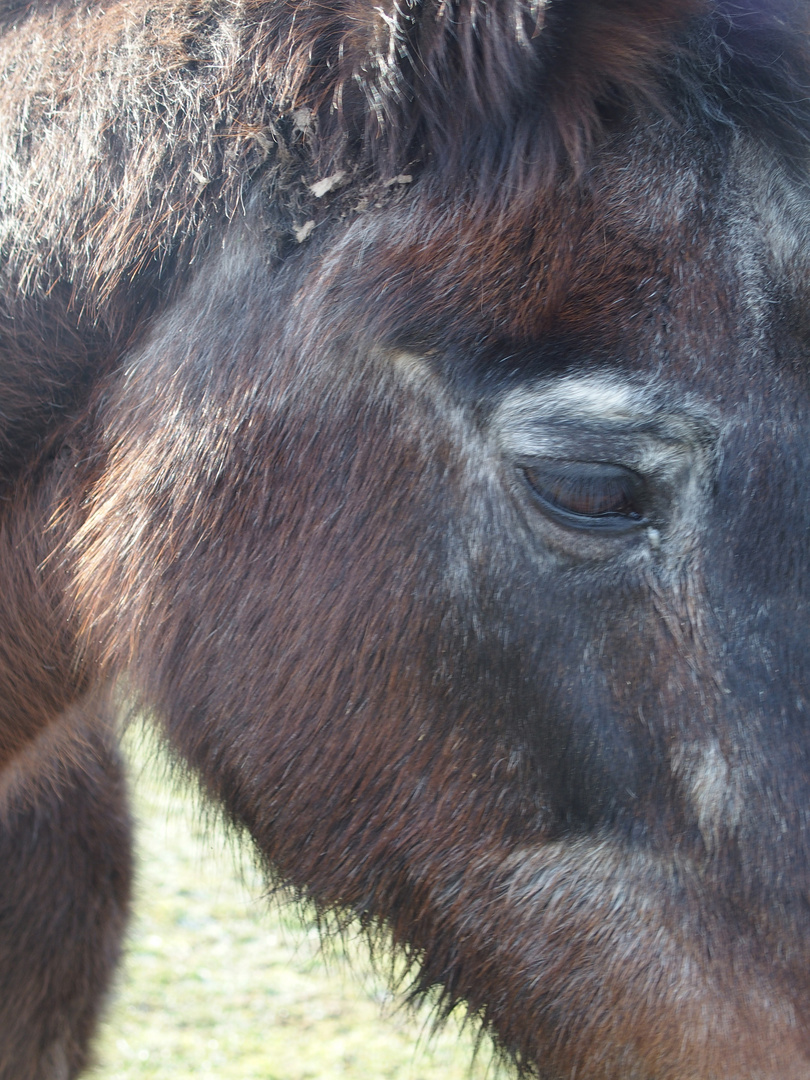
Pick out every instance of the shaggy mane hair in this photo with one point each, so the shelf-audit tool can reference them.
(185, 106)
(515, 90)
(130, 133)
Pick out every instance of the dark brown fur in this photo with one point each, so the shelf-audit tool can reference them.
(287, 292)
(64, 894)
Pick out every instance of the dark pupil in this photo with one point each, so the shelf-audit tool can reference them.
(588, 489)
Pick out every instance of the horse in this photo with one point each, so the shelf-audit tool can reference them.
(406, 405)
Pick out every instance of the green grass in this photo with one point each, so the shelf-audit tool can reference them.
(219, 985)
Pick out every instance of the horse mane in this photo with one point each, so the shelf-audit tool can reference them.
(508, 90)
(184, 110)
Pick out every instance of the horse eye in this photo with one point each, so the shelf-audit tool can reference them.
(588, 494)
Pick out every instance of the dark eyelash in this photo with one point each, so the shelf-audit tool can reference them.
(588, 494)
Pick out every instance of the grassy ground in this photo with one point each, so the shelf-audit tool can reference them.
(217, 986)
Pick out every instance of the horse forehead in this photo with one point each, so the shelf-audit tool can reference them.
(662, 240)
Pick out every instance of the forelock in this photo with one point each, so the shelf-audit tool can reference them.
(511, 93)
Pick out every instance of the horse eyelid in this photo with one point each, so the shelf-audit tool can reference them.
(587, 495)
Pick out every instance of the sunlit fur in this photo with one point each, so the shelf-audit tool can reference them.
(293, 295)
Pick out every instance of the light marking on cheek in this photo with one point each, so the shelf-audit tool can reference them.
(714, 791)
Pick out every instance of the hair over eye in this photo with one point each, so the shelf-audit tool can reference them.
(588, 494)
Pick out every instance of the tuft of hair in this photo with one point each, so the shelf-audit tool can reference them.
(513, 91)
(131, 134)
(179, 113)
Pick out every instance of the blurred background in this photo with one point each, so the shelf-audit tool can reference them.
(217, 984)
